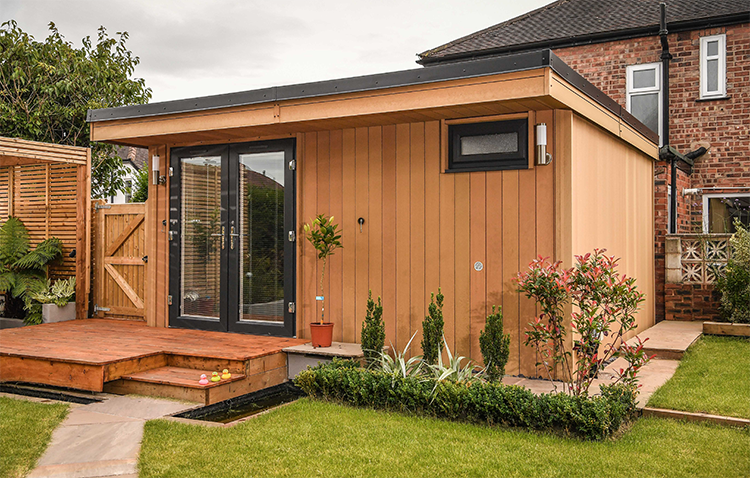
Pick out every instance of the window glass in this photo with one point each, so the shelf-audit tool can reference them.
(713, 66)
(712, 75)
(646, 109)
(644, 78)
(722, 211)
(712, 48)
(489, 143)
(644, 94)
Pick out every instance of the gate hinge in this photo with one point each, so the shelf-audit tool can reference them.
(102, 206)
(293, 165)
(292, 307)
(292, 236)
(100, 309)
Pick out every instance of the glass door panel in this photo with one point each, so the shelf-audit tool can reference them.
(261, 241)
(231, 258)
(201, 237)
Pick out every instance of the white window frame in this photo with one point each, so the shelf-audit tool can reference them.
(631, 91)
(706, 197)
(722, 73)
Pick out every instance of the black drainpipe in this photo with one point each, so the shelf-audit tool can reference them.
(665, 57)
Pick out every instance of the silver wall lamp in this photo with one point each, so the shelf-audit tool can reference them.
(542, 156)
(157, 178)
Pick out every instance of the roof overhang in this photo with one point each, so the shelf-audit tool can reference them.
(529, 81)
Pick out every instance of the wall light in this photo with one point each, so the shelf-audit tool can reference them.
(157, 178)
(542, 156)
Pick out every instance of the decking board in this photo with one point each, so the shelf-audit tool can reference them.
(130, 357)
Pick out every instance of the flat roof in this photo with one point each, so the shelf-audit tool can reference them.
(381, 81)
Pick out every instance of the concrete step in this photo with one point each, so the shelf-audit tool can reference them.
(669, 339)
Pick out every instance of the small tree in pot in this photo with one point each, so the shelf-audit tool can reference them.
(325, 237)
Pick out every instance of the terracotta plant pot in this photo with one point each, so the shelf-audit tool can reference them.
(321, 334)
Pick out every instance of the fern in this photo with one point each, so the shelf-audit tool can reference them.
(45, 252)
(14, 241)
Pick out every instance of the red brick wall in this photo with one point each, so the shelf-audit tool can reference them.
(723, 125)
(691, 302)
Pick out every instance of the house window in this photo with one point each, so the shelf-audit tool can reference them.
(644, 95)
(128, 190)
(713, 66)
(721, 210)
(488, 146)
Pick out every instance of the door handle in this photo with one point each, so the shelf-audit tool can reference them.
(220, 235)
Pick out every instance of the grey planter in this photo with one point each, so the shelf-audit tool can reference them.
(52, 313)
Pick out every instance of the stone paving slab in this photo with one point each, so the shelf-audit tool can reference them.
(102, 439)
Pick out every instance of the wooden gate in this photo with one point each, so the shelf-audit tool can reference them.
(120, 260)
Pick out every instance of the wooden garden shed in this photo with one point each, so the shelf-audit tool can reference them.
(48, 187)
(436, 176)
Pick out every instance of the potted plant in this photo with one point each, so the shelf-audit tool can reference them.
(325, 237)
(57, 300)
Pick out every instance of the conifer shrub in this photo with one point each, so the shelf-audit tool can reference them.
(495, 345)
(432, 329)
(373, 329)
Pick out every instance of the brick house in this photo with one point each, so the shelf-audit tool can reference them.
(703, 117)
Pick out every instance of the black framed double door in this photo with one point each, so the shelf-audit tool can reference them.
(231, 238)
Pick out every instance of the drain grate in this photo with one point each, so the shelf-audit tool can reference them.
(48, 393)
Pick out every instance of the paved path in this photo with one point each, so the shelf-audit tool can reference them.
(102, 439)
(668, 340)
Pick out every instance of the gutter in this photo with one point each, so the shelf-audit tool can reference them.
(665, 58)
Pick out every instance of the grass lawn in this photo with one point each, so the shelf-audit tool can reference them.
(25, 430)
(713, 377)
(310, 438)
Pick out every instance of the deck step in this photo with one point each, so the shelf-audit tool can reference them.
(180, 377)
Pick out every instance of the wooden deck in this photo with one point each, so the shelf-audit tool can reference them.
(129, 357)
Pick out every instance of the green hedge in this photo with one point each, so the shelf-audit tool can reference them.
(593, 418)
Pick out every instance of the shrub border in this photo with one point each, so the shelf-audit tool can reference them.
(591, 418)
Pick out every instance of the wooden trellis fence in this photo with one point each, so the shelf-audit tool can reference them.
(48, 187)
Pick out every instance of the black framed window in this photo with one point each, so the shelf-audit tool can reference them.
(489, 146)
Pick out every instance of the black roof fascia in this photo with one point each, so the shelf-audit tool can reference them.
(583, 85)
(603, 37)
(451, 71)
(470, 69)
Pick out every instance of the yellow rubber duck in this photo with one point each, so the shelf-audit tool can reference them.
(215, 377)
(226, 375)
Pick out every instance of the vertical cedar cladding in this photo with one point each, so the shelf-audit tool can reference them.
(423, 229)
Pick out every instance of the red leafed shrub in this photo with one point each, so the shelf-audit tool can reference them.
(605, 304)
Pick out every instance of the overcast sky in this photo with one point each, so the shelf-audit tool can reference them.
(194, 48)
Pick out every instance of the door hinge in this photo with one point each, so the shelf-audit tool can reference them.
(292, 307)
(171, 235)
(169, 300)
(100, 309)
(293, 165)
(102, 206)
(171, 171)
(292, 236)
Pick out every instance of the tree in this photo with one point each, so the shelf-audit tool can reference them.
(46, 89)
(139, 189)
